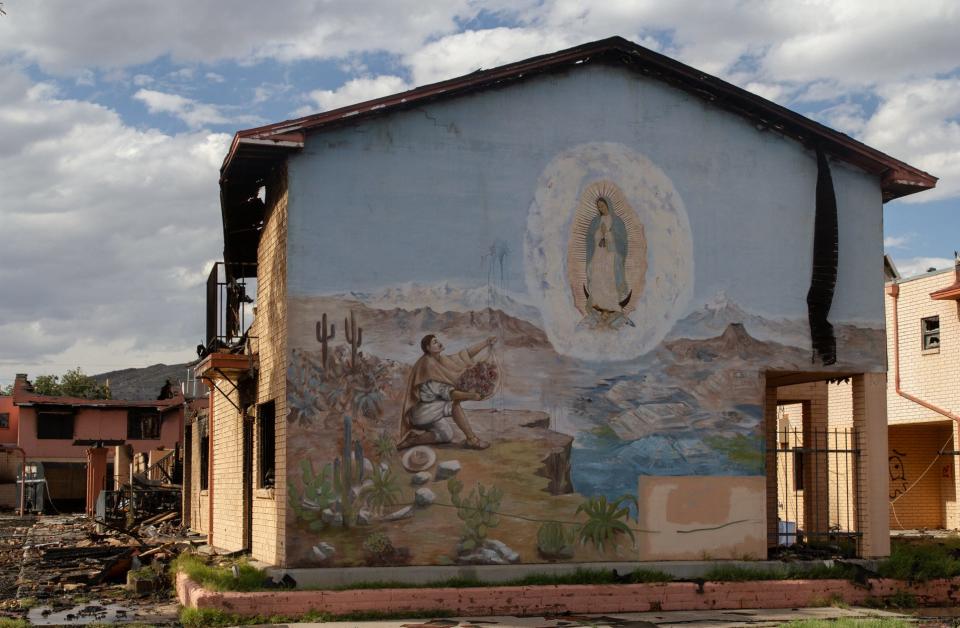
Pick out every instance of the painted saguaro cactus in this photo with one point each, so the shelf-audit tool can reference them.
(348, 472)
(324, 336)
(354, 337)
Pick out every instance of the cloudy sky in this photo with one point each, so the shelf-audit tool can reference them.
(115, 116)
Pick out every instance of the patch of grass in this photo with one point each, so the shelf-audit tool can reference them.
(219, 578)
(6, 622)
(580, 576)
(850, 622)
(736, 573)
(26, 603)
(834, 601)
(822, 572)
(921, 561)
(902, 599)
(201, 618)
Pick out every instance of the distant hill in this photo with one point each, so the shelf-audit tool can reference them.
(142, 383)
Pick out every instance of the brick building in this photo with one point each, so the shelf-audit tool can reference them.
(923, 410)
(595, 233)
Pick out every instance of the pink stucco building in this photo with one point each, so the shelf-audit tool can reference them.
(67, 433)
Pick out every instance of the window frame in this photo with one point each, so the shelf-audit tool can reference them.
(136, 416)
(43, 420)
(4, 420)
(266, 444)
(202, 439)
(928, 334)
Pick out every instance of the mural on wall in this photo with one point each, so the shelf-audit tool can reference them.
(508, 415)
(606, 259)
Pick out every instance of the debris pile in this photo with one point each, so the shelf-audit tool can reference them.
(71, 567)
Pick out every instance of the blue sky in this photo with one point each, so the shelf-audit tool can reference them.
(116, 114)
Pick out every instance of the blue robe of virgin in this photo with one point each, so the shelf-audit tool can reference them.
(619, 230)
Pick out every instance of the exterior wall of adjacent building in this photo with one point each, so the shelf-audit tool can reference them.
(8, 432)
(923, 487)
(922, 483)
(93, 424)
(267, 335)
(9, 460)
(270, 330)
(197, 496)
(474, 218)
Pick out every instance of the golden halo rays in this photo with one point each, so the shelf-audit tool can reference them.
(635, 264)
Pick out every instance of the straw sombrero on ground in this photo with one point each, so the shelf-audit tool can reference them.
(419, 458)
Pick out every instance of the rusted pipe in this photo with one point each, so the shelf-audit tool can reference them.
(894, 291)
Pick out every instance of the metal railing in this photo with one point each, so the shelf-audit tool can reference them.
(818, 501)
(227, 301)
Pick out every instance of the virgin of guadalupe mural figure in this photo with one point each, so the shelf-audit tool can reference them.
(432, 399)
(606, 287)
(606, 260)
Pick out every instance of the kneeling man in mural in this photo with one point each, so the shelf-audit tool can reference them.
(432, 398)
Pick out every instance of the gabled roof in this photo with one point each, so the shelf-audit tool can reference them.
(254, 152)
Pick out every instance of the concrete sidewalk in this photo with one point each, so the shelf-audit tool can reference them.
(700, 619)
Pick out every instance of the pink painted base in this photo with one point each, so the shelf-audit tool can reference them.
(539, 600)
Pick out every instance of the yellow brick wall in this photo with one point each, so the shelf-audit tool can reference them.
(932, 376)
(270, 330)
(199, 512)
(227, 479)
(921, 481)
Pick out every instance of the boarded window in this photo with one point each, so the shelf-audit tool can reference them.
(143, 424)
(930, 330)
(55, 424)
(266, 444)
(4, 420)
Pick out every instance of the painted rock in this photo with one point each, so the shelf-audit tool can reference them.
(324, 551)
(364, 517)
(448, 469)
(482, 556)
(331, 518)
(502, 549)
(404, 513)
(421, 478)
(424, 497)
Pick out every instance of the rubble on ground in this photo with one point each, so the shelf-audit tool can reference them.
(71, 568)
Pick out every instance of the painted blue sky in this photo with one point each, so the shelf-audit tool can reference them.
(115, 116)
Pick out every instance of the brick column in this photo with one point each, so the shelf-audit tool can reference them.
(122, 457)
(816, 477)
(96, 476)
(770, 454)
(870, 421)
(950, 465)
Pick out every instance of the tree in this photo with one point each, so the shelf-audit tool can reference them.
(73, 383)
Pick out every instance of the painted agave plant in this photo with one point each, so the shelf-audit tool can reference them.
(606, 521)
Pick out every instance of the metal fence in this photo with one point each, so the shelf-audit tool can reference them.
(818, 501)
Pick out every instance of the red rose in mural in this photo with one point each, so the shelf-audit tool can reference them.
(480, 378)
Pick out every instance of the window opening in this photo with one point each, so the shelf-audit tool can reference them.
(930, 330)
(266, 444)
(55, 424)
(143, 424)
